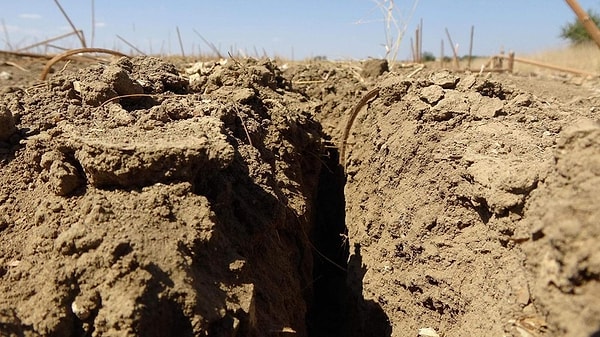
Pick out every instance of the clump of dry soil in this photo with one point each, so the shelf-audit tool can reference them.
(183, 211)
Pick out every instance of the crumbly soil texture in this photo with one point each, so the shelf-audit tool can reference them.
(145, 197)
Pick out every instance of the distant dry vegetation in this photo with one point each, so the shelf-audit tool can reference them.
(584, 56)
(581, 55)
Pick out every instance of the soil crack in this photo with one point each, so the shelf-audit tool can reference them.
(338, 307)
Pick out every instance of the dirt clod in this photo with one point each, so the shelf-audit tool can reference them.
(444, 79)
(7, 124)
(374, 68)
(155, 216)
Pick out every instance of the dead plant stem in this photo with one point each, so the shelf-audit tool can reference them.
(6, 36)
(180, 41)
(45, 42)
(75, 30)
(130, 45)
(72, 52)
(209, 44)
(93, 24)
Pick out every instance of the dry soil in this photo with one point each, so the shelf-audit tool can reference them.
(142, 197)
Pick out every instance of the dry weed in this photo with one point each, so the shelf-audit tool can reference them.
(585, 57)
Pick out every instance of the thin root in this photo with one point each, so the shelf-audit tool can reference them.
(128, 96)
(144, 95)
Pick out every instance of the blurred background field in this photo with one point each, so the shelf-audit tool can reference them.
(400, 31)
(336, 29)
(585, 57)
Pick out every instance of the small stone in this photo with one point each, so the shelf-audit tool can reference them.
(428, 332)
(453, 103)
(121, 116)
(95, 93)
(77, 86)
(121, 81)
(5, 76)
(63, 177)
(243, 95)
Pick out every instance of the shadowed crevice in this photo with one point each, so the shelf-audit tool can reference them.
(338, 307)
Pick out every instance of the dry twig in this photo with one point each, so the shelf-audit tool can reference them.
(75, 30)
(395, 26)
(131, 45)
(16, 66)
(180, 41)
(69, 53)
(45, 42)
(7, 38)
(209, 44)
(366, 98)
(20, 54)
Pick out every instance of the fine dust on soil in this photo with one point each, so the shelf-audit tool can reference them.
(210, 202)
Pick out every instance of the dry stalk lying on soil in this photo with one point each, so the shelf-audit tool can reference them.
(72, 52)
(12, 64)
(366, 98)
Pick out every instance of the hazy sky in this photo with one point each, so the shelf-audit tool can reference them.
(335, 28)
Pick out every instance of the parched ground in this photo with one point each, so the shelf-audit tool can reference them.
(473, 205)
(210, 201)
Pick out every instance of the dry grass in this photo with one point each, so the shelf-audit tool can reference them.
(396, 22)
(584, 57)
